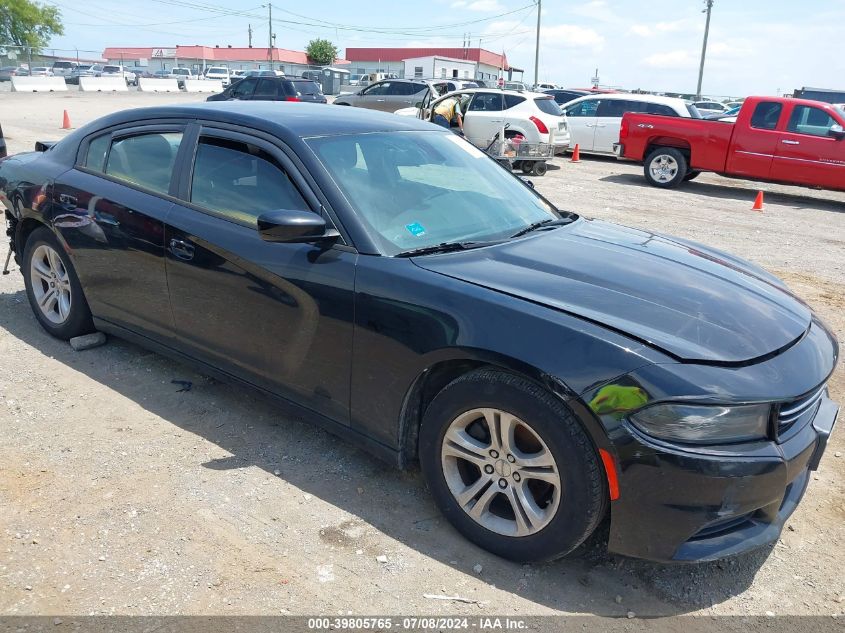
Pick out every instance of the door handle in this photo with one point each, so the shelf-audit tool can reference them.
(380, 100)
(181, 249)
(788, 142)
(589, 125)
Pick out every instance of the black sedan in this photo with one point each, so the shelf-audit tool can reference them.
(271, 89)
(392, 283)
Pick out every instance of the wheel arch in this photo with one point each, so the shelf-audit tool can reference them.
(668, 141)
(440, 372)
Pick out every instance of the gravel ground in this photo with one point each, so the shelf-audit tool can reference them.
(121, 495)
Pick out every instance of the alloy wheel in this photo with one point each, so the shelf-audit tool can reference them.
(663, 168)
(500, 472)
(50, 284)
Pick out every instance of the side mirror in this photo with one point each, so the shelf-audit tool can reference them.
(418, 105)
(294, 227)
(837, 131)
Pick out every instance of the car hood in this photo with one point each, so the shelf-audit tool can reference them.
(694, 303)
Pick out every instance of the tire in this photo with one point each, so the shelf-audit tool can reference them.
(69, 315)
(540, 168)
(692, 175)
(526, 167)
(561, 510)
(665, 167)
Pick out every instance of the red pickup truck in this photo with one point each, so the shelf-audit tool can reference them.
(792, 141)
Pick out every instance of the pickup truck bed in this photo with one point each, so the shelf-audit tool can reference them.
(792, 141)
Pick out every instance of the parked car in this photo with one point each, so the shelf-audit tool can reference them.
(7, 72)
(219, 73)
(354, 80)
(395, 285)
(63, 68)
(181, 74)
(82, 70)
(728, 116)
(594, 119)
(261, 73)
(563, 97)
(543, 87)
(41, 71)
(389, 95)
(163, 73)
(793, 141)
(451, 85)
(533, 115)
(710, 106)
(113, 70)
(237, 74)
(313, 75)
(270, 89)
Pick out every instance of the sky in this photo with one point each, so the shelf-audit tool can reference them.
(755, 46)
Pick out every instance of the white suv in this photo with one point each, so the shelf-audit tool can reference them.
(110, 70)
(218, 72)
(486, 111)
(594, 120)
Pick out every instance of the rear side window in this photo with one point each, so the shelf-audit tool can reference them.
(241, 181)
(244, 88)
(766, 115)
(307, 87)
(486, 102)
(266, 89)
(659, 108)
(548, 106)
(618, 107)
(145, 160)
(513, 100)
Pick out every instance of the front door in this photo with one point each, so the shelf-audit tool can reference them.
(278, 315)
(807, 154)
(582, 121)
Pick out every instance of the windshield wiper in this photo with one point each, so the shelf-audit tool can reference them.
(539, 225)
(443, 247)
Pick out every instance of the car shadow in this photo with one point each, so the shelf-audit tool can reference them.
(249, 427)
(727, 192)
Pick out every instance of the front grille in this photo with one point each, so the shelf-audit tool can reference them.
(796, 413)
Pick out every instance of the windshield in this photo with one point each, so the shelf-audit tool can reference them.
(548, 105)
(419, 189)
(693, 111)
(111, 69)
(840, 107)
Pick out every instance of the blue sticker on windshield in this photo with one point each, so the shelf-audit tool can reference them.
(416, 229)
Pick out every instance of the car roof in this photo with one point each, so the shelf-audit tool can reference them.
(281, 119)
(627, 96)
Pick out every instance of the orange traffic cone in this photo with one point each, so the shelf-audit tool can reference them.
(758, 202)
(576, 154)
(66, 122)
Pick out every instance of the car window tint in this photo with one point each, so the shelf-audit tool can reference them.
(512, 100)
(146, 160)
(766, 115)
(585, 108)
(548, 106)
(810, 120)
(486, 102)
(378, 89)
(241, 181)
(97, 150)
(267, 88)
(307, 88)
(244, 88)
(659, 108)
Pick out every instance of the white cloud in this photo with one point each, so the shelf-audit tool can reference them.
(675, 60)
(642, 30)
(570, 36)
(596, 10)
(479, 5)
(676, 26)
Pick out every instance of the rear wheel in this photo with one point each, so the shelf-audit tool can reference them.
(665, 167)
(53, 288)
(510, 467)
(539, 168)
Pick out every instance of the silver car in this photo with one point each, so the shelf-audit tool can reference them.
(390, 95)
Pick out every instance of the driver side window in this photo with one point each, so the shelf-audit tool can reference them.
(585, 108)
(377, 89)
(240, 181)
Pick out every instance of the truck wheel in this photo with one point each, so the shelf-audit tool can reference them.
(665, 167)
(539, 168)
(692, 175)
(511, 467)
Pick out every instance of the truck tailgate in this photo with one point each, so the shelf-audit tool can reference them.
(707, 140)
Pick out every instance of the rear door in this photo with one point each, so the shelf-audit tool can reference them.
(110, 210)
(277, 315)
(484, 117)
(267, 89)
(244, 89)
(806, 153)
(752, 151)
(582, 121)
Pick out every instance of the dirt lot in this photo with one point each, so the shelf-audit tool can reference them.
(120, 495)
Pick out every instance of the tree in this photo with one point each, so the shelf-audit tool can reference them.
(25, 23)
(319, 51)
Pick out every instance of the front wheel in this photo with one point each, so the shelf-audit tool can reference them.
(665, 167)
(511, 467)
(53, 288)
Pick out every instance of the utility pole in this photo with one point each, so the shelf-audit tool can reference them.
(250, 35)
(537, 45)
(270, 33)
(707, 10)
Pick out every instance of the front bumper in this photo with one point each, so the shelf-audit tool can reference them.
(679, 504)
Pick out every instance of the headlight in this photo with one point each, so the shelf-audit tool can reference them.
(704, 424)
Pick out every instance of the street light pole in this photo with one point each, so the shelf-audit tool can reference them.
(270, 33)
(707, 10)
(537, 45)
